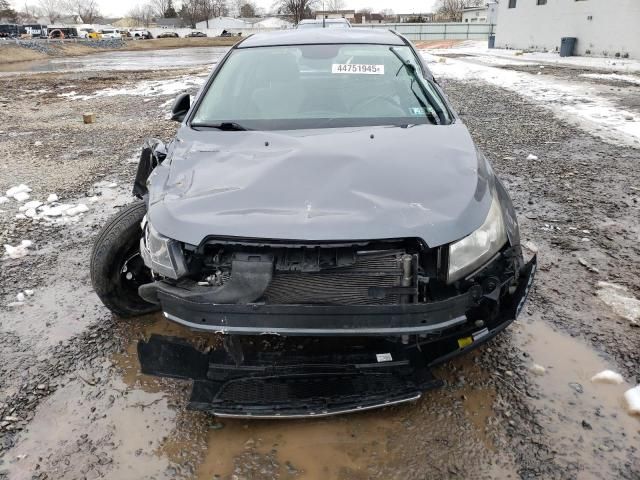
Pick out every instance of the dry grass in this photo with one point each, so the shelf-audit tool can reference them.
(168, 43)
(13, 53)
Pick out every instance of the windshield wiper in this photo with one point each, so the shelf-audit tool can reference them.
(226, 126)
(411, 68)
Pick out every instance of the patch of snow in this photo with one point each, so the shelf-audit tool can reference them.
(586, 106)
(537, 369)
(632, 396)
(18, 251)
(147, 88)
(20, 297)
(15, 304)
(33, 204)
(105, 184)
(29, 292)
(3, 200)
(19, 189)
(21, 196)
(532, 157)
(621, 301)
(613, 76)
(52, 198)
(608, 376)
(481, 50)
(80, 208)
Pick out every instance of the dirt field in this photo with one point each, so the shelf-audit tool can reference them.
(73, 403)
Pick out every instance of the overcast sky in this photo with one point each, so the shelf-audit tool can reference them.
(121, 7)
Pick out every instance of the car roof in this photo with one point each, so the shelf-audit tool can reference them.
(322, 36)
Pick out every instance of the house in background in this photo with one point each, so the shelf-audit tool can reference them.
(348, 14)
(415, 18)
(603, 28)
(171, 23)
(368, 18)
(475, 14)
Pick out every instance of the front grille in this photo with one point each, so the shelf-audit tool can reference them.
(341, 285)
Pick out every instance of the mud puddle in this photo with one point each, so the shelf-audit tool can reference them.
(587, 422)
(121, 61)
(113, 421)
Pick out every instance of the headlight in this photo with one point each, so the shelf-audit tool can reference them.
(162, 254)
(471, 252)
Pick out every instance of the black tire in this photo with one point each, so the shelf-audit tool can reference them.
(115, 258)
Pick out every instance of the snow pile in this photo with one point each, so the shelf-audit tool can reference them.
(608, 376)
(632, 397)
(532, 157)
(18, 251)
(3, 199)
(19, 193)
(621, 301)
(52, 198)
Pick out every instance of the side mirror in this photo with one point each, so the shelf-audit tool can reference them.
(181, 107)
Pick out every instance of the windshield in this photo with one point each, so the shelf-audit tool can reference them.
(317, 86)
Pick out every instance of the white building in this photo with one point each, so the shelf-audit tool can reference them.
(602, 27)
(475, 15)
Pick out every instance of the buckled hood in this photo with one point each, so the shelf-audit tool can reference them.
(360, 183)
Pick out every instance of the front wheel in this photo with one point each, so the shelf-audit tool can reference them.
(117, 269)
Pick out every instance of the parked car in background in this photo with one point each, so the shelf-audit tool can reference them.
(89, 33)
(326, 23)
(195, 35)
(141, 34)
(168, 35)
(110, 33)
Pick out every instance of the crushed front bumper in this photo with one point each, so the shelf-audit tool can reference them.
(313, 377)
(192, 308)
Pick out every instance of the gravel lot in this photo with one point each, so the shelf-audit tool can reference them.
(74, 405)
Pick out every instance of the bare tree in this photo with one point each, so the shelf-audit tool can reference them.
(159, 7)
(296, 9)
(451, 10)
(87, 10)
(190, 12)
(334, 5)
(248, 10)
(6, 12)
(142, 14)
(52, 9)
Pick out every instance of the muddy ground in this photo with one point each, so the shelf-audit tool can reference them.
(74, 405)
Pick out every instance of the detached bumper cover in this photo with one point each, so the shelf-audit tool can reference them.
(313, 378)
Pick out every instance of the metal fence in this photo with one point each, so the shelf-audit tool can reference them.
(437, 31)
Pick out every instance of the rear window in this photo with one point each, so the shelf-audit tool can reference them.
(320, 86)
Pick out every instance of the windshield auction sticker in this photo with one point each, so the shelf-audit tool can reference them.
(358, 68)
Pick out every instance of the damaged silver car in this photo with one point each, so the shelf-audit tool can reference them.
(323, 207)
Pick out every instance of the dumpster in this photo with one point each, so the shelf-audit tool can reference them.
(492, 41)
(567, 45)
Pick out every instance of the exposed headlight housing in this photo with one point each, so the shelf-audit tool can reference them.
(162, 254)
(470, 253)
